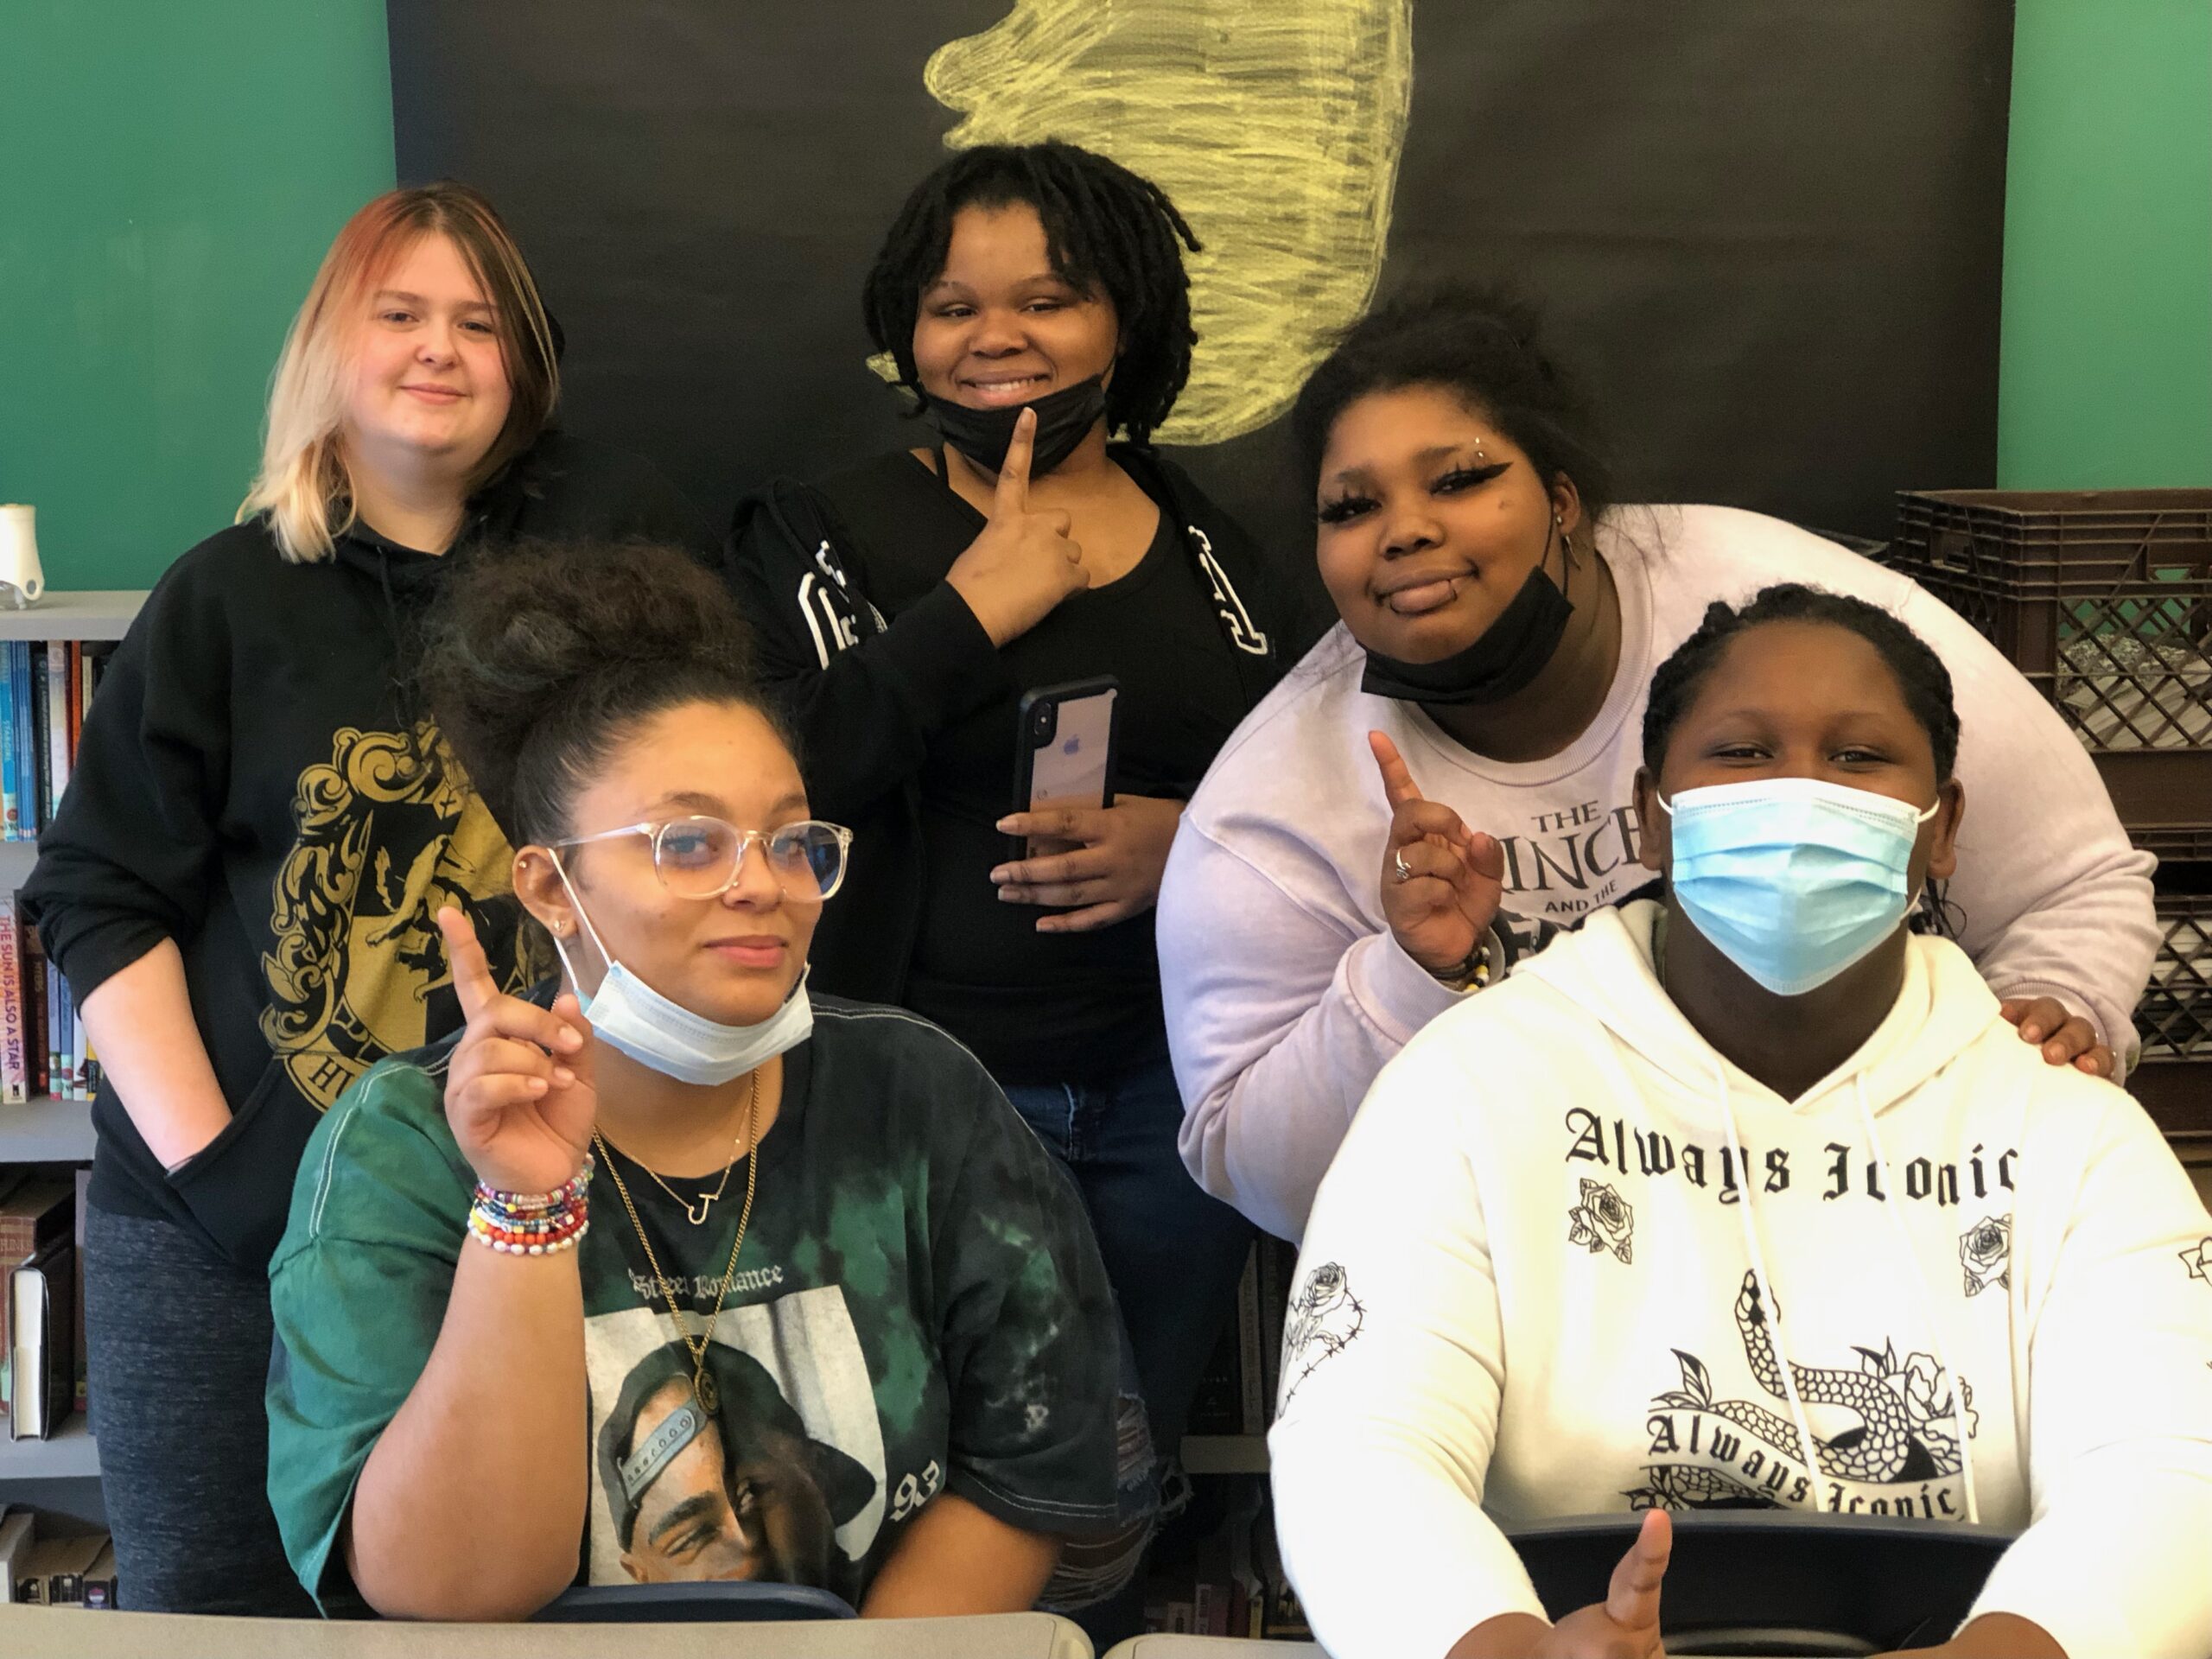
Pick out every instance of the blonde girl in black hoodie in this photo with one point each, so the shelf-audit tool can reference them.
(241, 882)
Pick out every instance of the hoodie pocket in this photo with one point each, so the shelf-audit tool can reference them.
(239, 1186)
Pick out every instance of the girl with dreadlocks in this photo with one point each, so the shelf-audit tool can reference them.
(1034, 300)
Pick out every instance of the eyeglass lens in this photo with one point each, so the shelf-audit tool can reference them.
(697, 857)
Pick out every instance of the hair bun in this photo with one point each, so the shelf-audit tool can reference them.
(541, 641)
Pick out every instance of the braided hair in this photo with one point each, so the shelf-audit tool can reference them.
(1106, 229)
(1922, 680)
(1481, 345)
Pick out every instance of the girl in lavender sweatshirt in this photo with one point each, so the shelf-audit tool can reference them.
(1446, 778)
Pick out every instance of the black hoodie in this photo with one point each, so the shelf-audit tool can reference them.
(258, 783)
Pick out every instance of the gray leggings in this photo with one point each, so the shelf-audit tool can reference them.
(178, 1343)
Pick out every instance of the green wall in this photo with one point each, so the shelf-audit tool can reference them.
(170, 173)
(171, 170)
(2107, 343)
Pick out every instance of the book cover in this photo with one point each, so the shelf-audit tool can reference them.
(49, 981)
(14, 1070)
(59, 748)
(43, 1346)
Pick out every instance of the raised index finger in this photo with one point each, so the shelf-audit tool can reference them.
(471, 970)
(1398, 785)
(1012, 495)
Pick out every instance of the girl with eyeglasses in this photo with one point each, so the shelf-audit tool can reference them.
(683, 1271)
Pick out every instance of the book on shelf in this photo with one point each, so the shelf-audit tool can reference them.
(15, 1035)
(1237, 1391)
(36, 1210)
(70, 1569)
(18, 1534)
(42, 1369)
(46, 685)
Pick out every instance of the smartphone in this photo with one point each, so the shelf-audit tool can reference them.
(1064, 747)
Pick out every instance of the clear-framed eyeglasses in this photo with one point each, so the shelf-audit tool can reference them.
(700, 857)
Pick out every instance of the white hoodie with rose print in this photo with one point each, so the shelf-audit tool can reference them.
(1572, 1261)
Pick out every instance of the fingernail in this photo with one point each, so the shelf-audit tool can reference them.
(2032, 1033)
(1000, 875)
(1007, 896)
(2055, 1052)
(1005, 826)
(569, 1038)
(537, 1086)
(563, 1076)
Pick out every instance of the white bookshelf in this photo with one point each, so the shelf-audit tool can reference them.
(70, 1454)
(45, 1130)
(95, 613)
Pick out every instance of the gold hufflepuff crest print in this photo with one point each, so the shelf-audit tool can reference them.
(388, 832)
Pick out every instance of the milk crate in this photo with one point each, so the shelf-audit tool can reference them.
(2103, 599)
(2174, 1020)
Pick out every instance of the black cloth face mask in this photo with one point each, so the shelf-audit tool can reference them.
(1063, 418)
(1504, 660)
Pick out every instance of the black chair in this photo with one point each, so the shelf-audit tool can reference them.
(1775, 1583)
(704, 1601)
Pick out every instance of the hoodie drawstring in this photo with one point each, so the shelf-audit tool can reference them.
(1770, 1307)
(1927, 1301)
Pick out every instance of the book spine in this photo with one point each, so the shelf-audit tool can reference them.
(41, 771)
(60, 689)
(1247, 1346)
(15, 1072)
(10, 793)
(48, 978)
(26, 744)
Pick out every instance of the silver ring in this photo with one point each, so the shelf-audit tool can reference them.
(1399, 868)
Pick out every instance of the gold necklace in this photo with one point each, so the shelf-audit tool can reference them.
(698, 1218)
(702, 1387)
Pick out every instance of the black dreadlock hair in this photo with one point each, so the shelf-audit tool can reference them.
(1105, 227)
(1921, 679)
(1481, 345)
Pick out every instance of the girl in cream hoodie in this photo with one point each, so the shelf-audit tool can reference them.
(1750, 1195)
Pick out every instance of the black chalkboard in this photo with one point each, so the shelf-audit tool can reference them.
(1768, 231)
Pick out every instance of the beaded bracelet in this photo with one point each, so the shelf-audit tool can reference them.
(533, 1223)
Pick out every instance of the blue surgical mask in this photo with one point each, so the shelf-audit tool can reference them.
(631, 1018)
(1793, 879)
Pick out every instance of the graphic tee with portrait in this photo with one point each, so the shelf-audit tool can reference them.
(918, 1307)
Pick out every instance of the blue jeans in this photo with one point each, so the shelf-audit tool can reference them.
(1172, 1251)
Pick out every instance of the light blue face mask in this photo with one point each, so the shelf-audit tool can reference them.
(631, 1018)
(1792, 878)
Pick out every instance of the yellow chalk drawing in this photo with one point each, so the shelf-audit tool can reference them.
(1274, 124)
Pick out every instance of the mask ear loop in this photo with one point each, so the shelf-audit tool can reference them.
(583, 916)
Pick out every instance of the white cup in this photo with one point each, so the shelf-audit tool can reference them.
(22, 582)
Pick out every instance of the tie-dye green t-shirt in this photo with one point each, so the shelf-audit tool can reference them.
(920, 1307)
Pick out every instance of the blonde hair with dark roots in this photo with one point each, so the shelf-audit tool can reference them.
(302, 484)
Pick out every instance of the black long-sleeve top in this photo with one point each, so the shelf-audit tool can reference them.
(257, 782)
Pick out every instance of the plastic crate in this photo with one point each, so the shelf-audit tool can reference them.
(2174, 1018)
(2103, 599)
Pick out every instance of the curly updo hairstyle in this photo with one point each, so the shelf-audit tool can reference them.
(540, 659)
(1107, 229)
(1482, 347)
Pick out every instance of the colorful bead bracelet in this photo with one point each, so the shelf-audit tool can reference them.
(533, 1223)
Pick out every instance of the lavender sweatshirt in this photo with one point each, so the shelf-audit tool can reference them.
(1286, 992)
